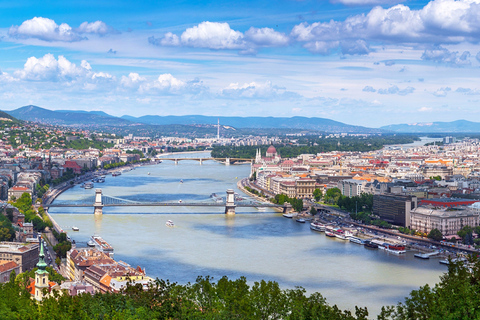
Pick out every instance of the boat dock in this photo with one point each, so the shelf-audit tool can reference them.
(426, 255)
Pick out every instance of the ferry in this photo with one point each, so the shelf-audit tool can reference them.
(370, 244)
(339, 233)
(317, 226)
(101, 245)
(88, 185)
(356, 240)
(169, 223)
(329, 231)
(394, 248)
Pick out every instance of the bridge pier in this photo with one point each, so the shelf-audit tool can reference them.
(227, 161)
(230, 203)
(176, 161)
(98, 205)
(201, 162)
(287, 208)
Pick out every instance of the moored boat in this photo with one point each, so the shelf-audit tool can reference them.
(329, 231)
(289, 215)
(370, 244)
(301, 220)
(75, 229)
(356, 240)
(395, 248)
(339, 233)
(317, 226)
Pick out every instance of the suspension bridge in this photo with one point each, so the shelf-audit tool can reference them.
(99, 200)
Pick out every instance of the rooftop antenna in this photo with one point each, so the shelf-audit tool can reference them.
(218, 129)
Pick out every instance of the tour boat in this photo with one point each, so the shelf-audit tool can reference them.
(88, 185)
(395, 248)
(370, 244)
(356, 240)
(317, 226)
(339, 233)
(169, 223)
(329, 231)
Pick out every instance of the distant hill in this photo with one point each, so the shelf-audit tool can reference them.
(318, 124)
(458, 126)
(67, 118)
(6, 117)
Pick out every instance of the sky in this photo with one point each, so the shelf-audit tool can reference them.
(362, 62)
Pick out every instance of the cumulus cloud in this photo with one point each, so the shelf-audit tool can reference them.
(256, 90)
(440, 54)
(442, 92)
(47, 68)
(167, 84)
(133, 80)
(425, 109)
(369, 89)
(48, 30)
(467, 91)
(217, 36)
(440, 21)
(395, 90)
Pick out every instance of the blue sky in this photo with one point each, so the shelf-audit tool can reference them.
(362, 62)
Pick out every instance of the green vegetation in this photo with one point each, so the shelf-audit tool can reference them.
(456, 296)
(317, 194)
(435, 234)
(314, 145)
(7, 232)
(122, 164)
(22, 278)
(466, 233)
(63, 244)
(407, 230)
(255, 192)
(24, 205)
(297, 204)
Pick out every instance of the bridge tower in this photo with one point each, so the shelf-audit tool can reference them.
(230, 203)
(227, 161)
(98, 205)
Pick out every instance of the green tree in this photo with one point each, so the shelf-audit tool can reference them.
(466, 233)
(317, 194)
(435, 234)
(313, 211)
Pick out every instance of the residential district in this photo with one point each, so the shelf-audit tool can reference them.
(418, 189)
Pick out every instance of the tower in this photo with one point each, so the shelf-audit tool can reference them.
(230, 202)
(41, 276)
(258, 156)
(98, 205)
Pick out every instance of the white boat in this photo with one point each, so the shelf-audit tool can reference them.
(301, 220)
(148, 173)
(169, 223)
(289, 215)
(329, 231)
(75, 229)
(339, 233)
(356, 240)
(88, 185)
(90, 243)
(317, 226)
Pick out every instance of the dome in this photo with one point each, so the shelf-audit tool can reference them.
(271, 151)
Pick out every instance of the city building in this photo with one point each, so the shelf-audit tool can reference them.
(394, 208)
(448, 221)
(23, 254)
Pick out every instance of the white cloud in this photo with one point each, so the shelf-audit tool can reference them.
(97, 27)
(213, 35)
(442, 92)
(47, 68)
(395, 90)
(217, 35)
(440, 21)
(425, 109)
(440, 54)
(132, 81)
(44, 29)
(365, 2)
(48, 30)
(256, 90)
(266, 37)
(369, 89)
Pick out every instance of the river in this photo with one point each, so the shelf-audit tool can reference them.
(258, 245)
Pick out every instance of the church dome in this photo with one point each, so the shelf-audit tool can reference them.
(271, 151)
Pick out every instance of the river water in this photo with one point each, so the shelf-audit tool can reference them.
(257, 245)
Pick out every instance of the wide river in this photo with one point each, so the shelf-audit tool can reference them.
(258, 245)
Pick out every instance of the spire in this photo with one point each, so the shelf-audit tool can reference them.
(41, 265)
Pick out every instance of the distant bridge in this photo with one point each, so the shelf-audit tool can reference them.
(227, 161)
(98, 201)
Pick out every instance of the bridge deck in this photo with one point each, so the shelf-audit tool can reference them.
(162, 204)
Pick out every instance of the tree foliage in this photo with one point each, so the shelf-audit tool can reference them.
(435, 234)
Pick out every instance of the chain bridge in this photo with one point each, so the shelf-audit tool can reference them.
(98, 201)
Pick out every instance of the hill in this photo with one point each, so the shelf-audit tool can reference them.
(304, 123)
(67, 118)
(458, 126)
